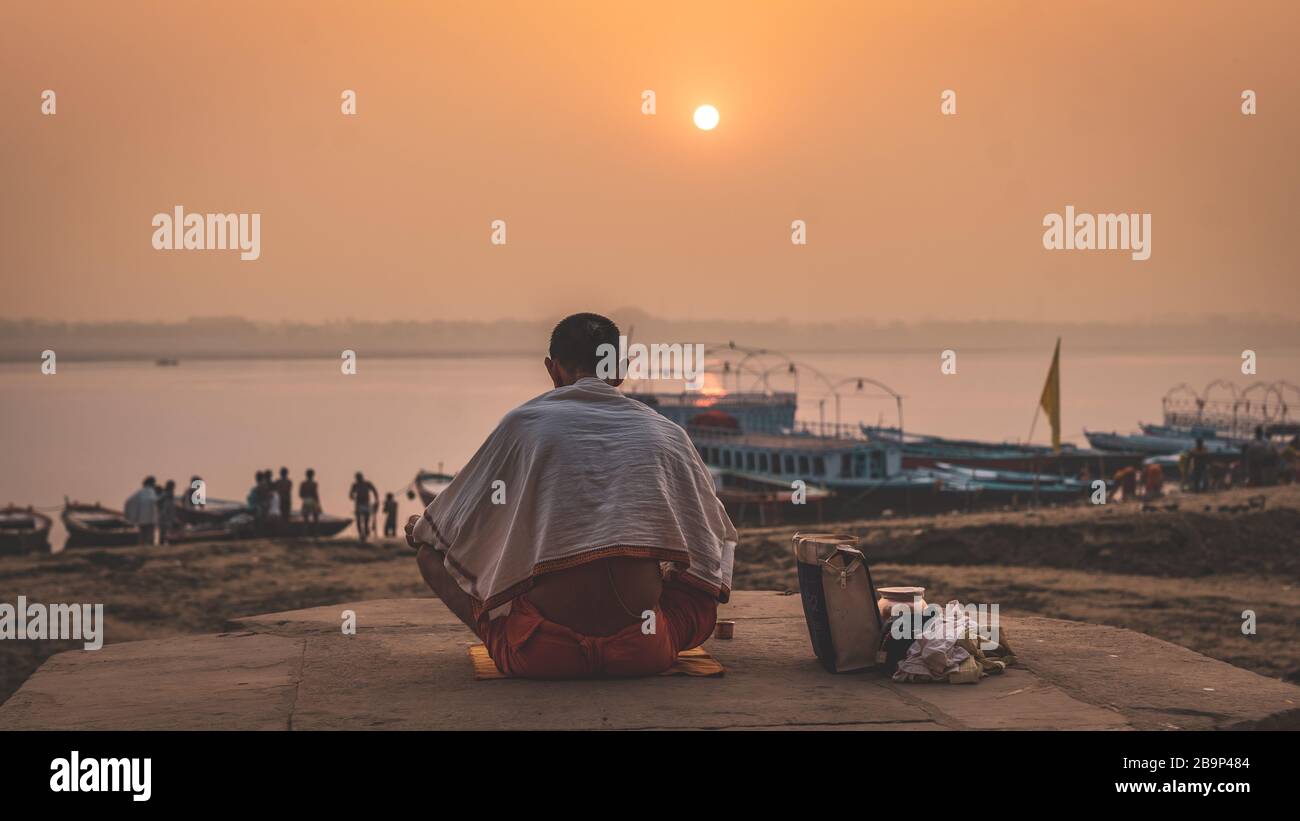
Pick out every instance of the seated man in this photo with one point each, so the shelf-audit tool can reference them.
(584, 538)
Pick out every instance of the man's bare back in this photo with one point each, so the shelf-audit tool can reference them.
(597, 598)
(600, 597)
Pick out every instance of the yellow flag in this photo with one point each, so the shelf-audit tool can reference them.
(1051, 399)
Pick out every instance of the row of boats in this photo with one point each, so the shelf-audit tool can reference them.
(762, 459)
(758, 475)
(24, 529)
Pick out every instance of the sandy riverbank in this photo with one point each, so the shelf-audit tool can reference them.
(1183, 576)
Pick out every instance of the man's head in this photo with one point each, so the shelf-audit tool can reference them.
(574, 343)
(149, 481)
(284, 473)
(311, 473)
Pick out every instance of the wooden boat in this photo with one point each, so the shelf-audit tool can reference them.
(200, 533)
(97, 526)
(428, 484)
(297, 527)
(242, 526)
(928, 451)
(211, 515)
(23, 529)
(1158, 440)
(1005, 485)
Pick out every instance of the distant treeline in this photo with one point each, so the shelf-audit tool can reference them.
(234, 337)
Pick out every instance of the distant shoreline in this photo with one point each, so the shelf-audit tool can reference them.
(234, 338)
(180, 358)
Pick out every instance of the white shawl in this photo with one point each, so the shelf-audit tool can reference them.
(585, 473)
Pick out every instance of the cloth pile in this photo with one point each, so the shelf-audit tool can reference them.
(949, 649)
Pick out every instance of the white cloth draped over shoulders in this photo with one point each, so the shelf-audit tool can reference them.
(579, 473)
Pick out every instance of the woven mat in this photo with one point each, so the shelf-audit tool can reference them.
(693, 662)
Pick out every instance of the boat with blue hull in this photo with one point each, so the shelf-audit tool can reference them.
(927, 451)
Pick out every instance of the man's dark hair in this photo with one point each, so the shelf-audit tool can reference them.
(576, 338)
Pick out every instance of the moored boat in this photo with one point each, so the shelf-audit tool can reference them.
(1158, 440)
(97, 526)
(1011, 485)
(296, 526)
(242, 526)
(23, 529)
(843, 477)
(927, 451)
(428, 484)
(868, 471)
(211, 514)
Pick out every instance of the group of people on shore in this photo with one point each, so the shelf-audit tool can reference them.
(1258, 464)
(270, 502)
(154, 508)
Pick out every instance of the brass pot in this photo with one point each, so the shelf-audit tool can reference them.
(913, 597)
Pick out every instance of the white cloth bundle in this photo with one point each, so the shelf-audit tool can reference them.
(935, 653)
(587, 473)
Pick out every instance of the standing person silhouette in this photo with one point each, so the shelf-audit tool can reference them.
(309, 493)
(284, 494)
(141, 509)
(390, 516)
(363, 490)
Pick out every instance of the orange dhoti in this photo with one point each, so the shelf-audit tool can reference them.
(525, 644)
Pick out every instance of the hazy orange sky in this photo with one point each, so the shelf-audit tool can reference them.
(531, 113)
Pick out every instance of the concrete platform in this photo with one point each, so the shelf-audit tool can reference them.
(406, 668)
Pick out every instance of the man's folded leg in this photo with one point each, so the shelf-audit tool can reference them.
(690, 614)
(440, 582)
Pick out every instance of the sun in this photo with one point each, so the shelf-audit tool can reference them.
(706, 118)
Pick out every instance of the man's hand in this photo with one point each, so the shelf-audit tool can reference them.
(410, 531)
